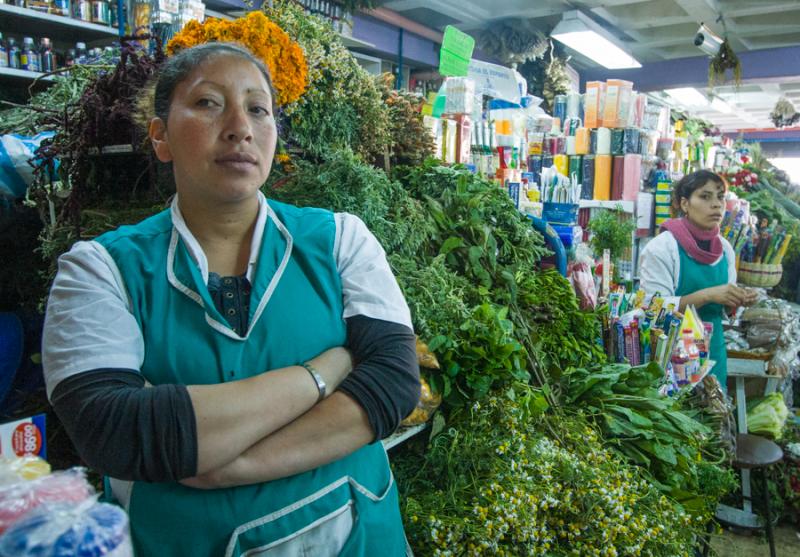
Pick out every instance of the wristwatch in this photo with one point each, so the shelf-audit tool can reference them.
(317, 379)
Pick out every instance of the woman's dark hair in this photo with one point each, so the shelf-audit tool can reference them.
(179, 66)
(687, 185)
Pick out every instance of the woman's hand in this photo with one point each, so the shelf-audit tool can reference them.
(730, 295)
(751, 296)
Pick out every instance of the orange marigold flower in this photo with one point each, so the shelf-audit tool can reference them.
(284, 57)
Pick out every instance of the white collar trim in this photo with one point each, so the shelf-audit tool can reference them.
(196, 252)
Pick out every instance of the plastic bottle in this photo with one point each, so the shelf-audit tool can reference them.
(101, 12)
(28, 57)
(693, 364)
(62, 8)
(3, 53)
(47, 57)
(679, 360)
(80, 53)
(69, 57)
(13, 54)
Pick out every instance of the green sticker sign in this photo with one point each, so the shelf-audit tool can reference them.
(456, 52)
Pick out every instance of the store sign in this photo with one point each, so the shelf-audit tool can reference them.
(494, 81)
(456, 51)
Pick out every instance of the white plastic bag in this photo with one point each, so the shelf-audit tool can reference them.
(16, 174)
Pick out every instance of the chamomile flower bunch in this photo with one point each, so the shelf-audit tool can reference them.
(494, 483)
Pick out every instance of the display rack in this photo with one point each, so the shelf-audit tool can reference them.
(626, 206)
(22, 76)
(25, 20)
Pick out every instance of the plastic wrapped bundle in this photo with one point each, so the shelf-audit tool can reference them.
(90, 529)
(69, 486)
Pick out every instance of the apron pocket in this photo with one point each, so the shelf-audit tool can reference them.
(323, 537)
(317, 525)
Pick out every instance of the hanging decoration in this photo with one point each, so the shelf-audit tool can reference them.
(512, 44)
(784, 114)
(547, 76)
(724, 60)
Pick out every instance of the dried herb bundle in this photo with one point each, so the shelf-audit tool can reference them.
(511, 43)
(723, 61)
(411, 142)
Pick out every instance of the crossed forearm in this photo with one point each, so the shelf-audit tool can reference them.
(232, 417)
(330, 430)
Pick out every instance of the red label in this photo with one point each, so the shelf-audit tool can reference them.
(26, 440)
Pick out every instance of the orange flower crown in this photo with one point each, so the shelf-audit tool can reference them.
(284, 57)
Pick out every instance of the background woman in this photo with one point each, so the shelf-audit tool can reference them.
(690, 260)
(198, 358)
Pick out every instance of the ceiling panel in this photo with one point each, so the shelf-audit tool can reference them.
(652, 30)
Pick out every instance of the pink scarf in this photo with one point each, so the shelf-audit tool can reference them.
(687, 235)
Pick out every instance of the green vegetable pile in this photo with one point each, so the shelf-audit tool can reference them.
(342, 107)
(493, 483)
(467, 263)
(650, 430)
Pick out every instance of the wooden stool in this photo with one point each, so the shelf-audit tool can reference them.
(755, 452)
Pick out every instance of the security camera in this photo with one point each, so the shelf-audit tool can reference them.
(707, 41)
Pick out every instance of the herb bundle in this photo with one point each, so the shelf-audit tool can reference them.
(650, 430)
(491, 483)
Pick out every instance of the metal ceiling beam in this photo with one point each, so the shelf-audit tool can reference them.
(467, 12)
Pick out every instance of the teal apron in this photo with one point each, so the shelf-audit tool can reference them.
(348, 507)
(696, 276)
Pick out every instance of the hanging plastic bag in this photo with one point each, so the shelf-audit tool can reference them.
(16, 173)
(580, 277)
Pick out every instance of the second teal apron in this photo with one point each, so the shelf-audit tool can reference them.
(696, 276)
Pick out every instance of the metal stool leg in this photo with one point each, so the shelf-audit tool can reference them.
(768, 514)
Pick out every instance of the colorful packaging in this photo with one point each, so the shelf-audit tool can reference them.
(24, 437)
(617, 177)
(602, 177)
(632, 177)
(582, 141)
(587, 177)
(593, 104)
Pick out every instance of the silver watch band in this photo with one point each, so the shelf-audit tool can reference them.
(317, 379)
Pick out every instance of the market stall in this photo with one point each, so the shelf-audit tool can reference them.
(558, 416)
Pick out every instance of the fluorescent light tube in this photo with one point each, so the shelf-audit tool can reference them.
(599, 49)
(583, 35)
(688, 96)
